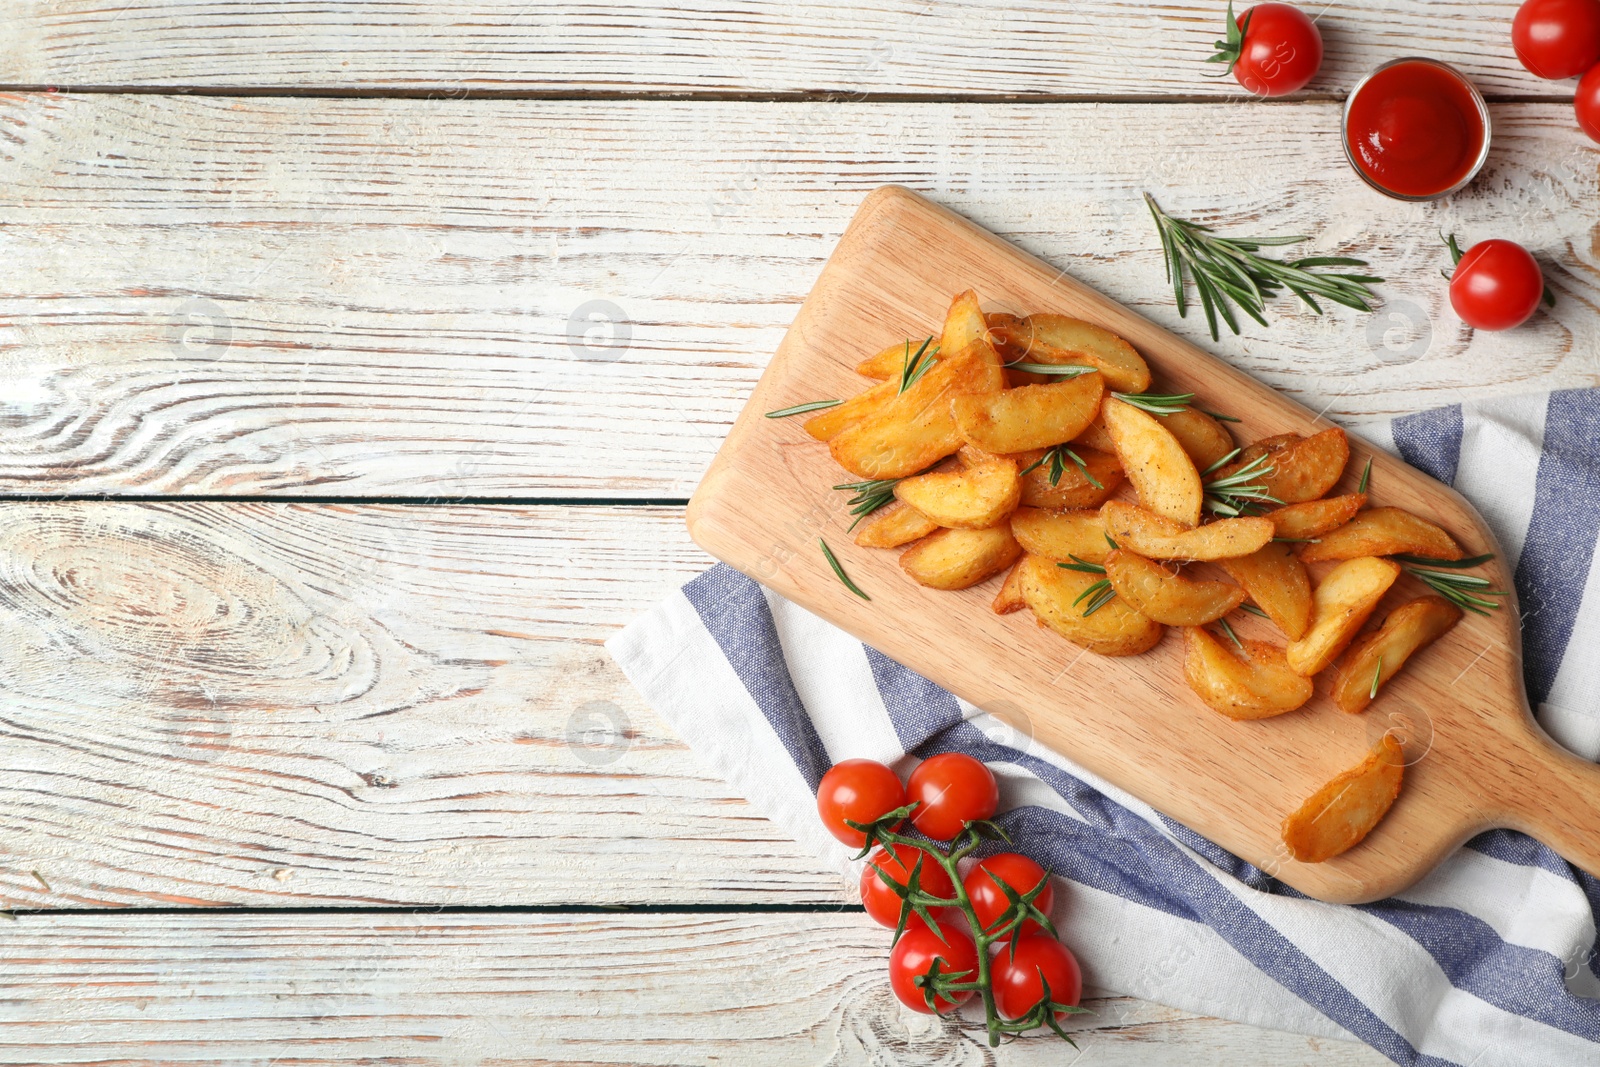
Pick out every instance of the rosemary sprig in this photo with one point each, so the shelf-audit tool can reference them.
(1157, 403)
(1100, 593)
(869, 497)
(801, 409)
(1229, 272)
(1366, 476)
(1231, 635)
(1058, 370)
(1219, 416)
(1372, 694)
(833, 562)
(1080, 564)
(1466, 591)
(1219, 464)
(1253, 610)
(915, 366)
(1057, 458)
(1238, 494)
(1548, 298)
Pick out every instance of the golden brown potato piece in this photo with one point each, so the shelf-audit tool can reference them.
(1278, 583)
(1339, 815)
(1047, 338)
(968, 498)
(1060, 534)
(1167, 596)
(893, 526)
(1096, 436)
(1303, 468)
(1383, 532)
(889, 363)
(1166, 478)
(1074, 489)
(1204, 438)
(956, 559)
(1339, 607)
(830, 423)
(1056, 597)
(1313, 518)
(1033, 416)
(1257, 687)
(1009, 598)
(964, 325)
(1159, 537)
(1380, 654)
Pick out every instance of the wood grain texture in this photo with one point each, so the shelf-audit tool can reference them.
(1476, 758)
(395, 298)
(458, 990)
(1099, 47)
(209, 704)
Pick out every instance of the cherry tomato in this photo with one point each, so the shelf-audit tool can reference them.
(1497, 285)
(914, 954)
(1587, 103)
(950, 789)
(881, 902)
(1280, 49)
(860, 790)
(1557, 38)
(1017, 985)
(1016, 871)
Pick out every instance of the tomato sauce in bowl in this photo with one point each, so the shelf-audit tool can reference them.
(1416, 129)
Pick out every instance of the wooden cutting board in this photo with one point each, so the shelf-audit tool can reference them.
(1476, 759)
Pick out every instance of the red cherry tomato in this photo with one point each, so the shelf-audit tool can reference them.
(914, 954)
(881, 902)
(1017, 985)
(860, 790)
(950, 790)
(1280, 52)
(1557, 38)
(1587, 103)
(1016, 871)
(1497, 285)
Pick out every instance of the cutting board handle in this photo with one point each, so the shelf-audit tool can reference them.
(1551, 794)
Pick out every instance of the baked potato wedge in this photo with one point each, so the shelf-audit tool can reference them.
(830, 423)
(1303, 468)
(1313, 518)
(1340, 604)
(1155, 462)
(1159, 537)
(958, 559)
(1076, 488)
(1057, 598)
(893, 526)
(1258, 686)
(1383, 532)
(1031, 416)
(967, 498)
(1277, 582)
(1339, 816)
(891, 362)
(1096, 436)
(1204, 438)
(1061, 533)
(1377, 656)
(1166, 596)
(1048, 338)
(1009, 598)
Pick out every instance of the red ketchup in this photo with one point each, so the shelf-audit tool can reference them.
(1416, 129)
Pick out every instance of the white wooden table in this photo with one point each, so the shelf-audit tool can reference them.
(356, 361)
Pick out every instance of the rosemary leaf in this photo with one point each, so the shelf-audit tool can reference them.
(801, 409)
(1372, 694)
(1366, 476)
(1219, 416)
(838, 570)
(915, 366)
(1231, 635)
(1253, 610)
(1455, 564)
(1057, 370)
(1156, 403)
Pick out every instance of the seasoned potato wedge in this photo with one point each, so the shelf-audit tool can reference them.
(1159, 537)
(1378, 656)
(893, 526)
(1204, 438)
(964, 326)
(1166, 596)
(956, 559)
(1047, 338)
(1339, 607)
(1060, 534)
(1009, 598)
(1313, 518)
(1054, 595)
(1032, 416)
(1074, 489)
(1303, 468)
(891, 361)
(1096, 436)
(969, 498)
(1339, 815)
(1166, 478)
(1278, 583)
(830, 423)
(1257, 687)
(1383, 532)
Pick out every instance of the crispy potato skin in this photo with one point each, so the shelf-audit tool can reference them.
(1030, 416)
(1339, 606)
(1096, 436)
(1159, 537)
(1074, 489)
(1383, 532)
(1313, 518)
(1278, 583)
(834, 421)
(1049, 338)
(1339, 816)
(1256, 688)
(1168, 597)
(966, 499)
(1009, 598)
(1303, 468)
(1114, 630)
(889, 362)
(1060, 534)
(1205, 439)
(893, 526)
(959, 559)
(1381, 653)
(1166, 478)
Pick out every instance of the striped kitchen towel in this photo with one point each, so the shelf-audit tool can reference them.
(1489, 961)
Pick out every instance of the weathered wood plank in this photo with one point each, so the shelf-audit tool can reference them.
(394, 298)
(458, 989)
(207, 704)
(1102, 47)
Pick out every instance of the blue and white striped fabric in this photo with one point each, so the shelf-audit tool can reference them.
(1489, 961)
